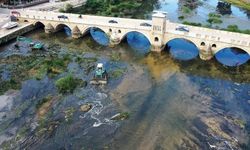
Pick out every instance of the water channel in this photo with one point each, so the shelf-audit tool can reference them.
(174, 99)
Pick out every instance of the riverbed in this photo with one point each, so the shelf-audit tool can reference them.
(172, 104)
(168, 100)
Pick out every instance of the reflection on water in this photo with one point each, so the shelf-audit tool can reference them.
(201, 9)
(138, 41)
(183, 110)
(67, 31)
(232, 56)
(182, 49)
(99, 36)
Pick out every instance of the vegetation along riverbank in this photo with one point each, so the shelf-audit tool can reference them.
(241, 3)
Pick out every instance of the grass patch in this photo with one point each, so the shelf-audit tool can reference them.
(117, 73)
(50, 66)
(19, 66)
(66, 84)
(11, 84)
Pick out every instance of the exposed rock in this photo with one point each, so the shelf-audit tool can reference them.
(85, 107)
(6, 103)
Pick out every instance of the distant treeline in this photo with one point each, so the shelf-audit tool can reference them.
(115, 8)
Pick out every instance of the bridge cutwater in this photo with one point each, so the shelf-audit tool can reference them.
(159, 30)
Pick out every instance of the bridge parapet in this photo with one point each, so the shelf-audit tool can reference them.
(211, 35)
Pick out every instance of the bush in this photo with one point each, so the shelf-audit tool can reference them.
(181, 17)
(233, 27)
(68, 8)
(66, 84)
(192, 23)
(214, 18)
(214, 15)
(61, 10)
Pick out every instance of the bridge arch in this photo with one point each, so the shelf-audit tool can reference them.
(138, 41)
(182, 48)
(124, 34)
(60, 26)
(38, 23)
(232, 56)
(100, 35)
(86, 30)
(194, 42)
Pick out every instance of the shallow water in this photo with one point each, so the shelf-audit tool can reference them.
(199, 12)
(172, 103)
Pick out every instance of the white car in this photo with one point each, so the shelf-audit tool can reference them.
(10, 25)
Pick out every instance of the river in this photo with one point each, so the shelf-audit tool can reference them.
(200, 10)
(174, 100)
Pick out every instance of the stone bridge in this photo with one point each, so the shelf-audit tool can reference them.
(159, 30)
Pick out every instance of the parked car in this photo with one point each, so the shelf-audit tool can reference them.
(182, 28)
(10, 25)
(112, 21)
(63, 17)
(145, 24)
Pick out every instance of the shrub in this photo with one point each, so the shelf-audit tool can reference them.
(68, 8)
(181, 17)
(192, 23)
(214, 18)
(61, 10)
(214, 15)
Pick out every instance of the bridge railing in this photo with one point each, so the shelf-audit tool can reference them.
(86, 19)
